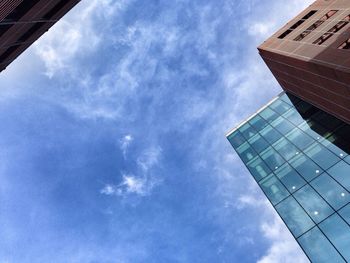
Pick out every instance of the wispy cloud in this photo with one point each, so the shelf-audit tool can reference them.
(125, 143)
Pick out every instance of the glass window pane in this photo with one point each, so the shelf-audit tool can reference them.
(247, 131)
(341, 173)
(299, 138)
(331, 191)
(294, 216)
(345, 213)
(306, 167)
(258, 168)
(272, 158)
(236, 139)
(279, 106)
(313, 203)
(285, 148)
(273, 189)
(258, 143)
(268, 114)
(338, 233)
(258, 123)
(293, 116)
(246, 152)
(347, 159)
(290, 178)
(282, 125)
(316, 131)
(270, 134)
(318, 248)
(336, 145)
(321, 155)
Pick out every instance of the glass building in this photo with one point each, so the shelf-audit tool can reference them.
(299, 156)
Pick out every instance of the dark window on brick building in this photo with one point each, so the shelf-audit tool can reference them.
(297, 24)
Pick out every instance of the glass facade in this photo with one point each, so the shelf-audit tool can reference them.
(299, 156)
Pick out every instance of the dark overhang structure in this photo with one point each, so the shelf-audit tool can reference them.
(22, 22)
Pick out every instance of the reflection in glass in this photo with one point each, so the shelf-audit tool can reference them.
(282, 125)
(299, 138)
(272, 158)
(294, 117)
(341, 173)
(258, 143)
(305, 167)
(331, 191)
(345, 213)
(338, 232)
(268, 114)
(318, 248)
(258, 123)
(247, 131)
(285, 148)
(295, 217)
(236, 139)
(258, 168)
(321, 155)
(313, 204)
(270, 134)
(246, 152)
(279, 106)
(273, 188)
(290, 178)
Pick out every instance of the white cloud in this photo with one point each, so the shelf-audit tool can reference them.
(284, 248)
(125, 143)
(149, 158)
(142, 183)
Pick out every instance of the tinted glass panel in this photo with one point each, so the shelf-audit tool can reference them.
(338, 233)
(269, 114)
(272, 158)
(273, 188)
(247, 131)
(290, 178)
(345, 213)
(258, 143)
(315, 130)
(282, 125)
(295, 217)
(280, 106)
(246, 152)
(306, 167)
(294, 117)
(321, 155)
(341, 173)
(258, 123)
(270, 134)
(236, 139)
(300, 139)
(331, 191)
(313, 204)
(258, 168)
(318, 248)
(285, 148)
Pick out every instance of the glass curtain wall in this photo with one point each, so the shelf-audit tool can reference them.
(299, 156)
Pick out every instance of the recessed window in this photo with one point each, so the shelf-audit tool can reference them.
(345, 45)
(315, 25)
(297, 24)
(333, 30)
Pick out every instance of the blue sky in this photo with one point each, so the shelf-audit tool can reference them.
(112, 139)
